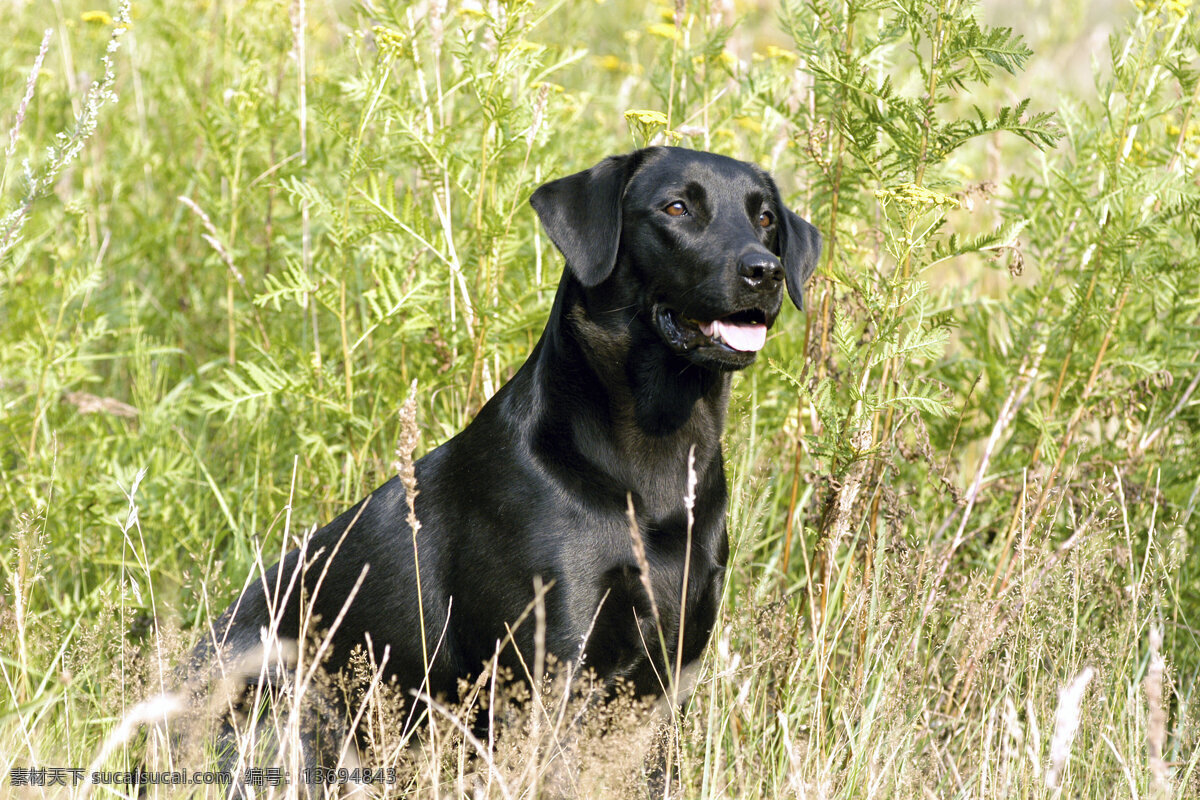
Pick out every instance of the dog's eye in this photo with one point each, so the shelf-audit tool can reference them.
(676, 209)
(765, 219)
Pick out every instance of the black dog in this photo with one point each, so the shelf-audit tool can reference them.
(676, 266)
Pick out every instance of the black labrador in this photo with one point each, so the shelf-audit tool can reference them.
(676, 265)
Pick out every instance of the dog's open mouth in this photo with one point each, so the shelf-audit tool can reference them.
(743, 331)
(740, 332)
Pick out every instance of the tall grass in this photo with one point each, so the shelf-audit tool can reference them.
(234, 235)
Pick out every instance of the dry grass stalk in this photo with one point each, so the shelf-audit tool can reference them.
(213, 238)
(1156, 732)
(157, 709)
(1013, 741)
(91, 404)
(835, 524)
(1081, 409)
(639, 554)
(689, 504)
(30, 85)
(961, 685)
(1027, 376)
(406, 445)
(22, 584)
(1066, 723)
(67, 146)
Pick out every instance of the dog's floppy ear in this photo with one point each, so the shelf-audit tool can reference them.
(799, 250)
(582, 214)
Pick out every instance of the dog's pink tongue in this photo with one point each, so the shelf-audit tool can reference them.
(749, 337)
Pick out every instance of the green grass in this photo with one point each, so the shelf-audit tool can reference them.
(964, 478)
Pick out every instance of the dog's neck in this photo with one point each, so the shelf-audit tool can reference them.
(660, 391)
(645, 407)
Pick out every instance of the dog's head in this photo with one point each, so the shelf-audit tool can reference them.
(703, 242)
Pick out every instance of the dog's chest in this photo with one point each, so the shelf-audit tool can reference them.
(638, 604)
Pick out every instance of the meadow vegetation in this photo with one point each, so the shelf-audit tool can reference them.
(235, 237)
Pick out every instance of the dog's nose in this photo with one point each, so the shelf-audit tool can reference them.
(760, 268)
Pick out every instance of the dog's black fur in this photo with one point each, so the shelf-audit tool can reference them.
(622, 384)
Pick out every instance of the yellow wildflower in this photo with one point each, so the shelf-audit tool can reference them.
(665, 31)
(724, 58)
(780, 53)
(912, 195)
(96, 18)
(646, 117)
(390, 41)
(472, 8)
(644, 123)
(610, 63)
